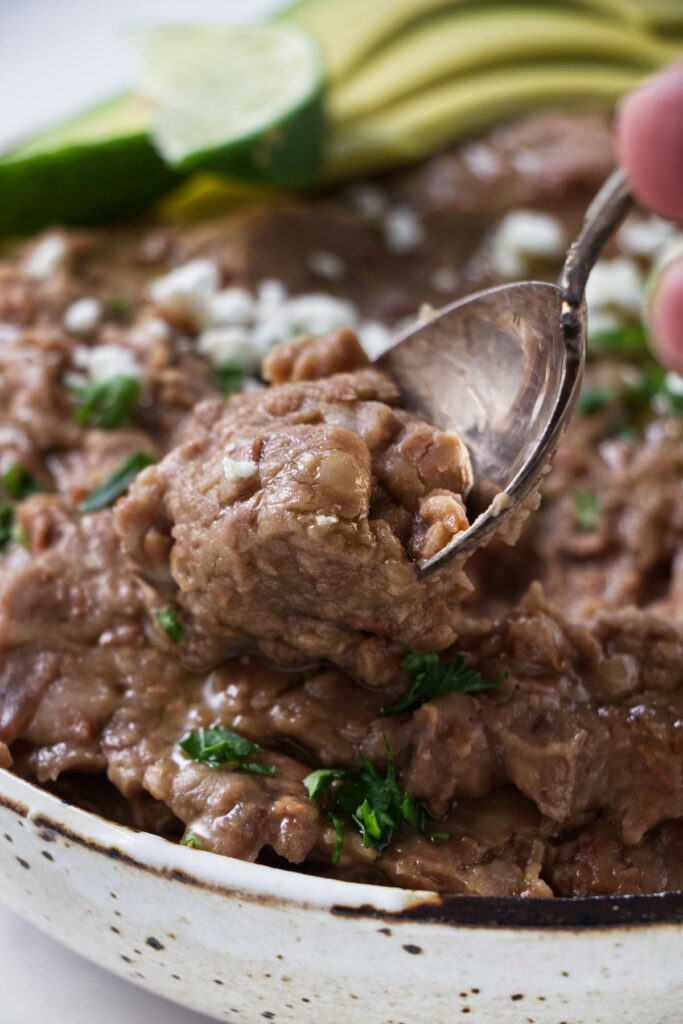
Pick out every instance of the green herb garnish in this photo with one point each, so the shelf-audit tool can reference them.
(119, 306)
(108, 403)
(594, 400)
(221, 748)
(432, 678)
(117, 484)
(375, 803)
(18, 482)
(655, 388)
(339, 830)
(439, 836)
(6, 523)
(624, 340)
(191, 840)
(586, 510)
(170, 623)
(230, 377)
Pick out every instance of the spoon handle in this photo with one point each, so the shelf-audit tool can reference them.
(603, 217)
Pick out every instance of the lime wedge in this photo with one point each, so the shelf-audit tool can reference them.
(245, 103)
(98, 166)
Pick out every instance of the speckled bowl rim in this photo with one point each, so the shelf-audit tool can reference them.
(202, 869)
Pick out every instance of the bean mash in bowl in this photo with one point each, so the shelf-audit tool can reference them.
(213, 509)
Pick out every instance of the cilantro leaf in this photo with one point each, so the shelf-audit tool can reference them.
(432, 678)
(230, 377)
(19, 483)
(374, 801)
(319, 781)
(107, 403)
(339, 829)
(594, 400)
(656, 389)
(117, 484)
(170, 623)
(6, 523)
(218, 747)
(624, 340)
(189, 839)
(586, 510)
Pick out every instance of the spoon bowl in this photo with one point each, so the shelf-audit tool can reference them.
(502, 370)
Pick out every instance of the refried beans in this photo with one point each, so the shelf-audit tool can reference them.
(212, 512)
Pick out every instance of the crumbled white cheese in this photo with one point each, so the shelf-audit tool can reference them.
(188, 289)
(523, 236)
(369, 200)
(105, 361)
(238, 469)
(644, 237)
(374, 337)
(9, 333)
(444, 279)
(318, 313)
(231, 306)
(47, 257)
(230, 344)
(326, 264)
(481, 160)
(326, 520)
(674, 383)
(403, 231)
(154, 329)
(12, 437)
(615, 284)
(83, 316)
(271, 293)
(601, 320)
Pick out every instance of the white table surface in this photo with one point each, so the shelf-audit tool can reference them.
(59, 56)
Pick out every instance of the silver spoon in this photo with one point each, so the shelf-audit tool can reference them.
(502, 369)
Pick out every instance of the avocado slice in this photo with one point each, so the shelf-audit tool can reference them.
(449, 111)
(465, 41)
(96, 167)
(348, 30)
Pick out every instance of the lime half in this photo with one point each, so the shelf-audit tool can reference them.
(246, 103)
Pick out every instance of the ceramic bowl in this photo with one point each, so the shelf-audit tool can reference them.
(246, 943)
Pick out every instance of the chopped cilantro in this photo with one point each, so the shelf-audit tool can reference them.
(219, 747)
(375, 803)
(594, 400)
(318, 782)
(6, 523)
(339, 830)
(107, 403)
(117, 484)
(432, 678)
(170, 623)
(19, 483)
(624, 340)
(586, 510)
(230, 377)
(657, 389)
(191, 840)
(439, 836)
(119, 306)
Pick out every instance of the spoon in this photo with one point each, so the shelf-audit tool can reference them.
(502, 369)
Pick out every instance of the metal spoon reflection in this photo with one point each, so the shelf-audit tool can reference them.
(502, 369)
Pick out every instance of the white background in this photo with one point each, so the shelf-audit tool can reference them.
(57, 56)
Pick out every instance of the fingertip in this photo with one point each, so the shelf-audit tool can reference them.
(666, 316)
(650, 141)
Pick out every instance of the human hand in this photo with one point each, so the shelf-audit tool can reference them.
(650, 148)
